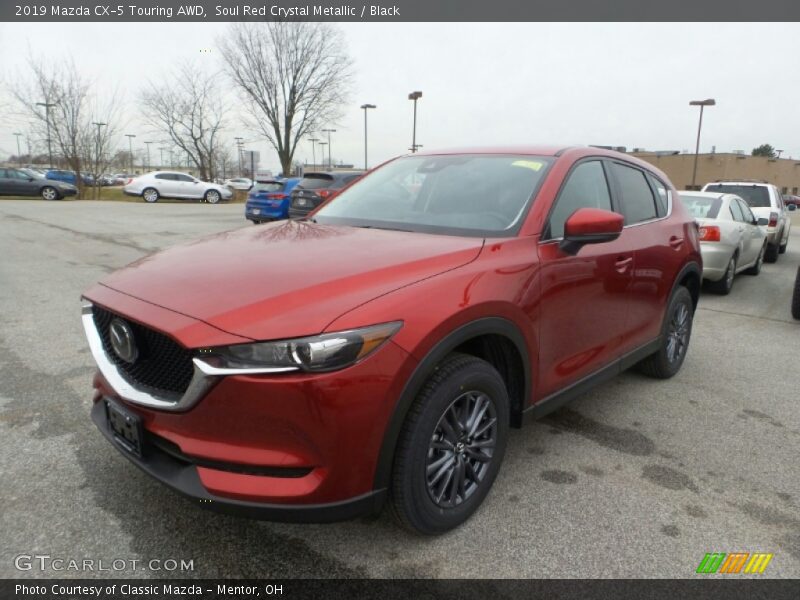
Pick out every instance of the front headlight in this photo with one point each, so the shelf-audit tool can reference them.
(326, 352)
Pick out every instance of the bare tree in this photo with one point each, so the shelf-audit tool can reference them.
(65, 110)
(293, 76)
(190, 111)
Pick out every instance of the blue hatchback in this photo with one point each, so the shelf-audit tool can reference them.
(269, 199)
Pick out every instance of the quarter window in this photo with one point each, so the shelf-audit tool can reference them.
(662, 195)
(586, 187)
(638, 203)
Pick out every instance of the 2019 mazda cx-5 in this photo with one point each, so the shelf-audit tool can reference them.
(405, 327)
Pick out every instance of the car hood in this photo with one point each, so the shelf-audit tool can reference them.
(288, 279)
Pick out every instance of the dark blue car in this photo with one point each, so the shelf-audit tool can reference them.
(269, 199)
(68, 177)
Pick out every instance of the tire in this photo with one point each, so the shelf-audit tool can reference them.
(723, 286)
(771, 255)
(796, 296)
(49, 193)
(212, 196)
(150, 195)
(663, 364)
(459, 382)
(782, 247)
(756, 268)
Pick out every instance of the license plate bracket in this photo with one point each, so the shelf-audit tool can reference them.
(125, 427)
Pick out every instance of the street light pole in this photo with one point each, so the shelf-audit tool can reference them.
(329, 132)
(702, 104)
(96, 151)
(130, 137)
(19, 152)
(239, 154)
(161, 166)
(366, 107)
(148, 155)
(314, 150)
(414, 96)
(322, 144)
(47, 106)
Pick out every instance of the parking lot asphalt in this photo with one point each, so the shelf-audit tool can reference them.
(638, 478)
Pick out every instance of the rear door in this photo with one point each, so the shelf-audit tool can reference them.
(26, 184)
(584, 298)
(742, 237)
(753, 233)
(167, 185)
(8, 185)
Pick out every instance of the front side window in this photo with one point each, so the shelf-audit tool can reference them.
(184, 178)
(586, 187)
(462, 194)
(749, 217)
(736, 211)
(637, 198)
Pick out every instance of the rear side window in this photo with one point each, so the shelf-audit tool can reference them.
(736, 211)
(586, 187)
(166, 176)
(315, 182)
(662, 195)
(701, 207)
(638, 203)
(757, 196)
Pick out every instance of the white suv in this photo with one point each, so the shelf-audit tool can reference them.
(765, 201)
(167, 184)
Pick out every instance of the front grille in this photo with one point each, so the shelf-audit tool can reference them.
(163, 367)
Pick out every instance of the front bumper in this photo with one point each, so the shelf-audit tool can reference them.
(184, 478)
(306, 444)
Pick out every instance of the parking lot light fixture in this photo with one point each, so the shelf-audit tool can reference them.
(329, 132)
(414, 96)
(702, 104)
(322, 145)
(366, 107)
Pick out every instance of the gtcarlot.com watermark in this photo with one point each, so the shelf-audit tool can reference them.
(45, 562)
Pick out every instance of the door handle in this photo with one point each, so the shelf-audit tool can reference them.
(622, 263)
(676, 242)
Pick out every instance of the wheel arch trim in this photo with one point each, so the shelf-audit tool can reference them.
(484, 326)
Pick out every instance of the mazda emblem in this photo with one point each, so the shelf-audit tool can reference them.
(122, 342)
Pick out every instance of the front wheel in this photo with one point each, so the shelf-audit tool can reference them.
(150, 195)
(49, 193)
(675, 334)
(212, 196)
(451, 446)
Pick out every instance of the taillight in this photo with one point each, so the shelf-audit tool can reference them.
(324, 193)
(773, 219)
(709, 233)
(276, 196)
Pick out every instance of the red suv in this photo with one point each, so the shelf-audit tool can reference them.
(400, 332)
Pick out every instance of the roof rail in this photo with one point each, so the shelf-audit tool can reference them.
(742, 180)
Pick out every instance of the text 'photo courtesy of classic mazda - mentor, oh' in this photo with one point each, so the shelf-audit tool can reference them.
(405, 327)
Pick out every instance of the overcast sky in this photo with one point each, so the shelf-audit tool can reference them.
(486, 84)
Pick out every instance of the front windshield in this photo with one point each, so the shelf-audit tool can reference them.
(467, 194)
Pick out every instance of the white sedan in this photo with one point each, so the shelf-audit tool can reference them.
(239, 183)
(732, 238)
(169, 184)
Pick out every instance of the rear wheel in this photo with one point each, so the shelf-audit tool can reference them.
(49, 193)
(675, 335)
(451, 446)
(150, 195)
(796, 296)
(212, 196)
(724, 285)
(783, 246)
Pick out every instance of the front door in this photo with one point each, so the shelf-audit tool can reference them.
(584, 298)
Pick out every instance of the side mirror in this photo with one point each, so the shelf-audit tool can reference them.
(792, 207)
(762, 221)
(590, 226)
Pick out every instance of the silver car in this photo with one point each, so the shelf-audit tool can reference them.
(169, 184)
(732, 239)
